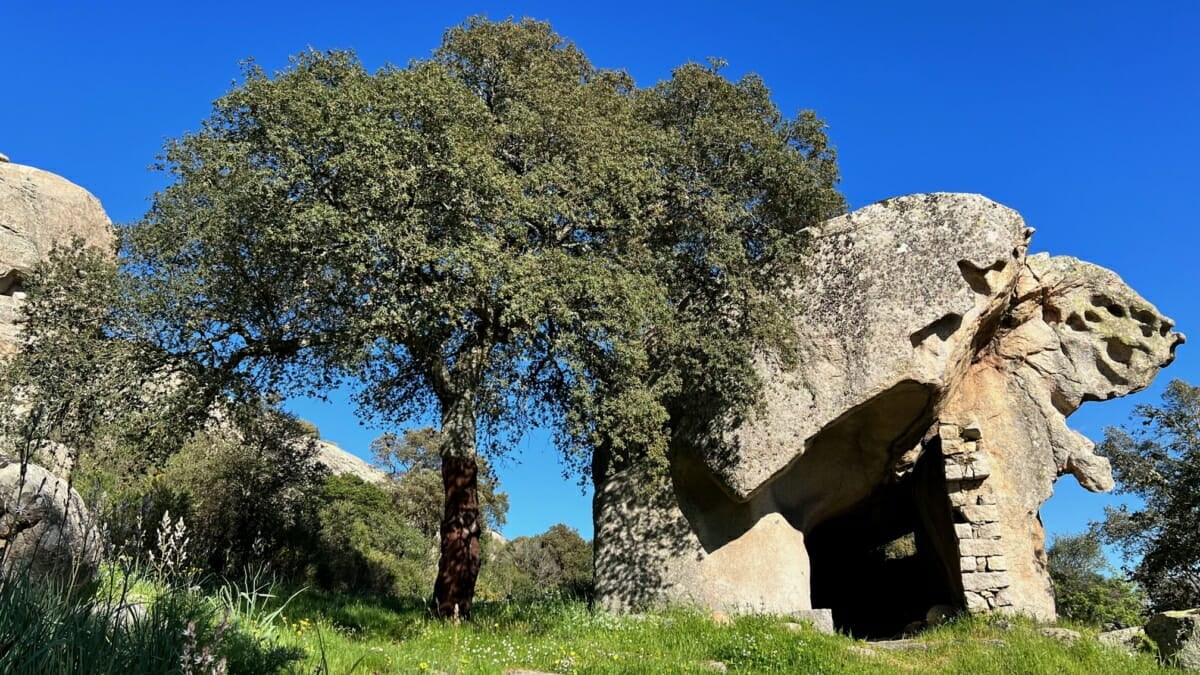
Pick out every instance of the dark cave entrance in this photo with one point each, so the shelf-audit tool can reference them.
(881, 565)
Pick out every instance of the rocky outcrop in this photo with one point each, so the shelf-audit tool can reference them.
(1131, 640)
(45, 528)
(340, 462)
(38, 210)
(907, 455)
(1177, 635)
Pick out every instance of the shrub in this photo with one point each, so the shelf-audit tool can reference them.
(366, 544)
(1085, 588)
(246, 489)
(558, 561)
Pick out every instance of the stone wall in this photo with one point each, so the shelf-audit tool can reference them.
(982, 563)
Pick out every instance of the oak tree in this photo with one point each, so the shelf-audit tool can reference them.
(1158, 461)
(501, 235)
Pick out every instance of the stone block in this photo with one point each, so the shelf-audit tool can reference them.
(978, 466)
(981, 514)
(964, 531)
(820, 620)
(985, 581)
(979, 547)
(1003, 598)
(1128, 639)
(954, 471)
(997, 563)
(976, 603)
(1177, 635)
(987, 530)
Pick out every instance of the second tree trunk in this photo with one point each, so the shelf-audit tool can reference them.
(458, 567)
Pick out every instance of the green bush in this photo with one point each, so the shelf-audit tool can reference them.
(1085, 587)
(245, 490)
(366, 545)
(556, 562)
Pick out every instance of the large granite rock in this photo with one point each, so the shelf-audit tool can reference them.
(38, 210)
(340, 462)
(906, 457)
(45, 528)
(1177, 635)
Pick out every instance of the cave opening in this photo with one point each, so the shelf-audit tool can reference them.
(882, 564)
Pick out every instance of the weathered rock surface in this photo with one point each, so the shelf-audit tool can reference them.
(1177, 635)
(38, 210)
(45, 528)
(937, 366)
(820, 620)
(1129, 639)
(340, 462)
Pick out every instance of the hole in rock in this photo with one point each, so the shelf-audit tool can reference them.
(1144, 316)
(11, 283)
(977, 277)
(943, 328)
(1118, 351)
(883, 563)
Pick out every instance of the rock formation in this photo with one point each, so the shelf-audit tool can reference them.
(902, 464)
(1177, 635)
(38, 210)
(340, 462)
(45, 529)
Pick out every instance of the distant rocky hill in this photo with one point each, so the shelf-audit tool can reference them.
(340, 462)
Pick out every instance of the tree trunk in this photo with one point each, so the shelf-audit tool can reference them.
(458, 567)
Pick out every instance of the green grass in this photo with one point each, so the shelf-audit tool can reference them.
(339, 634)
(343, 634)
(46, 628)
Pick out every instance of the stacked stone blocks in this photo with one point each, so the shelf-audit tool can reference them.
(982, 563)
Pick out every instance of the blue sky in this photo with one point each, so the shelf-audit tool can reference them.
(1080, 115)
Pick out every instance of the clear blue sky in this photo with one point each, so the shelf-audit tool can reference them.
(1081, 115)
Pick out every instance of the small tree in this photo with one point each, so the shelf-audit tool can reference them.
(365, 544)
(555, 561)
(1159, 462)
(1085, 587)
(413, 461)
(500, 235)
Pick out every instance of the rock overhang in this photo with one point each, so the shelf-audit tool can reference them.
(937, 365)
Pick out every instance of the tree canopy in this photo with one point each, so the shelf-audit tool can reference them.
(1085, 586)
(497, 236)
(1158, 461)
